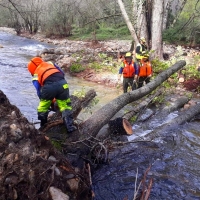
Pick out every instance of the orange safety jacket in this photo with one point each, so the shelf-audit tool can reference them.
(145, 69)
(43, 71)
(128, 70)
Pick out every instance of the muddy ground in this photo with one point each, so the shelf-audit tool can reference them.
(31, 167)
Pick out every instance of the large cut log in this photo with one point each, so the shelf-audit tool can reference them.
(138, 106)
(120, 126)
(92, 125)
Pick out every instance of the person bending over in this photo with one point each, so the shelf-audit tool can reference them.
(50, 84)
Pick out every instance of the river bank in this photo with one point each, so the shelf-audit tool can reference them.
(85, 53)
(67, 52)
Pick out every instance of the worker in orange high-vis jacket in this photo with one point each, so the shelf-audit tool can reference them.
(50, 84)
(129, 70)
(145, 71)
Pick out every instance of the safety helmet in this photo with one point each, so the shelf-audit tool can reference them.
(142, 39)
(128, 54)
(145, 58)
(33, 64)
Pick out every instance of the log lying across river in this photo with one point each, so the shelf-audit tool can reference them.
(92, 125)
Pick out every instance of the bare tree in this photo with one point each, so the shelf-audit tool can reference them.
(127, 20)
(141, 17)
(24, 14)
(58, 18)
(157, 27)
(149, 21)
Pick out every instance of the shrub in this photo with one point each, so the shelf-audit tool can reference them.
(76, 68)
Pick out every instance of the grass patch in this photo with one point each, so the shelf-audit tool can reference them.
(76, 68)
(102, 33)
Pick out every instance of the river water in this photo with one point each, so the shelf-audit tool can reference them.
(174, 161)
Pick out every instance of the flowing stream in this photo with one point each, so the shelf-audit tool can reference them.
(174, 161)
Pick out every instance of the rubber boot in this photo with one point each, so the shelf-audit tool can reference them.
(43, 118)
(43, 122)
(68, 121)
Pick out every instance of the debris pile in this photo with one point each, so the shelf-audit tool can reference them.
(30, 166)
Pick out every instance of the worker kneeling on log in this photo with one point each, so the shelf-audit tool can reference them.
(145, 71)
(50, 84)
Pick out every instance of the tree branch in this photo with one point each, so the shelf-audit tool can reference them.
(102, 18)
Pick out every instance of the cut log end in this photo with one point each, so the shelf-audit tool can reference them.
(127, 126)
(120, 126)
(181, 79)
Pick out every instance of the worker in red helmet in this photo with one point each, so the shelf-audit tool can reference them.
(50, 84)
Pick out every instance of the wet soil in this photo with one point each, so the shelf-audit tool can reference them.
(192, 85)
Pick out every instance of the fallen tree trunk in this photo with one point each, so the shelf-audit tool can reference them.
(79, 103)
(92, 125)
(170, 127)
(139, 106)
(142, 105)
(174, 106)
